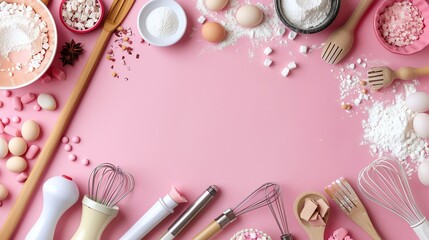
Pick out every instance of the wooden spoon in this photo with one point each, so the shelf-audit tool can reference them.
(314, 233)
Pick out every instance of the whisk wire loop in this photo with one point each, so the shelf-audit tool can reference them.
(385, 182)
(278, 211)
(109, 184)
(262, 196)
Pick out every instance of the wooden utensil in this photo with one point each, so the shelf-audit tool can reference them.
(346, 198)
(341, 40)
(118, 10)
(314, 233)
(380, 77)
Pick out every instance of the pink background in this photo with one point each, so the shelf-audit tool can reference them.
(193, 118)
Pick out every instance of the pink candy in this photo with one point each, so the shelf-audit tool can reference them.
(58, 73)
(401, 24)
(46, 78)
(12, 131)
(340, 234)
(32, 151)
(22, 177)
(28, 98)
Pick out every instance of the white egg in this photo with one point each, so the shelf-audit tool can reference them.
(215, 5)
(16, 164)
(423, 173)
(418, 102)
(421, 125)
(3, 192)
(4, 150)
(17, 146)
(30, 130)
(249, 16)
(47, 101)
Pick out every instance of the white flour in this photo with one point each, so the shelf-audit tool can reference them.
(388, 130)
(306, 14)
(270, 28)
(162, 22)
(22, 29)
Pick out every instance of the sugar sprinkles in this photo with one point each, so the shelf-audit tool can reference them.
(21, 28)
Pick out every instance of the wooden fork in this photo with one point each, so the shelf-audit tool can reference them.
(118, 10)
(339, 43)
(343, 194)
(379, 77)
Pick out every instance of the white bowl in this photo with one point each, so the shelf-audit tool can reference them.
(165, 41)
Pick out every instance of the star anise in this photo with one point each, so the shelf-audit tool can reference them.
(70, 52)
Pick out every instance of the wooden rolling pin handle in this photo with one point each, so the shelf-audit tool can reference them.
(410, 73)
(49, 148)
(208, 232)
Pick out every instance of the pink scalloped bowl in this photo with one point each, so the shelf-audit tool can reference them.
(418, 45)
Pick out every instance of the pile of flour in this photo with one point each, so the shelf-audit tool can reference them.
(388, 130)
(306, 14)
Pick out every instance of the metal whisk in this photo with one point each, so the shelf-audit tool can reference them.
(109, 184)
(277, 208)
(385, 182)
(262, 196)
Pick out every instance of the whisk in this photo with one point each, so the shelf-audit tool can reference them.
(107, 186)
(277, 208)
(262, 196)
(385, 182)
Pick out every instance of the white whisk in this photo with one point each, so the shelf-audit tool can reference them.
(385, 182)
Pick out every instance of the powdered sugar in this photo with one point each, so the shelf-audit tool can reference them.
(388, 130)
(269, 29)
(306, 14)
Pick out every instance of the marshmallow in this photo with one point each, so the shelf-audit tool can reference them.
(267, 62)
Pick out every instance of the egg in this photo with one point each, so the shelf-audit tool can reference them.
(215, 5)
(30, 130)
(4, 150)
(423, 173)
(47, 101)
(16, 164)
(17, 146)
(3, 192)
(421, 125)
(249, 16)
(418, 102)
(213, 32)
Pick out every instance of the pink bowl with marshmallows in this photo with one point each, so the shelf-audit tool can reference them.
(65, 20)
(416, 45)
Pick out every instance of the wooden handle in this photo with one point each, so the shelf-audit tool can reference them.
(357, 14)
(45, 2)
(410, 73)
(45, 155)
(208, 232)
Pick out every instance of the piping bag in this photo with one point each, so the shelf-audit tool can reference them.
(160, 210)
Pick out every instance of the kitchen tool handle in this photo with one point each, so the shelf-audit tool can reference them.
(422, 230)
(208, 232)
(357, 14)
(410, 73)
(48, 150)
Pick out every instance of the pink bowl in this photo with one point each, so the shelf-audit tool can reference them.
(86, 30)
(418, 45)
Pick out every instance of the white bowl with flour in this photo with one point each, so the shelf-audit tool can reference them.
(162, 22)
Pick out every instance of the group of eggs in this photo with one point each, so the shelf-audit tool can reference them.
(419, 102)
(247, 16)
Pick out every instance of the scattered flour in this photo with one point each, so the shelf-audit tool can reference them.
(388, 131)
(270, 29)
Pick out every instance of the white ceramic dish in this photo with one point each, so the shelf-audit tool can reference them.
(148, 8)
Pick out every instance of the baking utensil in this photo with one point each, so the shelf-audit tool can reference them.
(190, 213)
(339, 43)
(158, 212)
(262, 196)
(59, 194)
(335, 8)
(346, 198)
(385, 182)
(98, 23)
(107, 185)
(381, 77)
(314, 233)
(118, 10)
(161, 41)
(23, 78)
(277, 209)
(419, 44)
